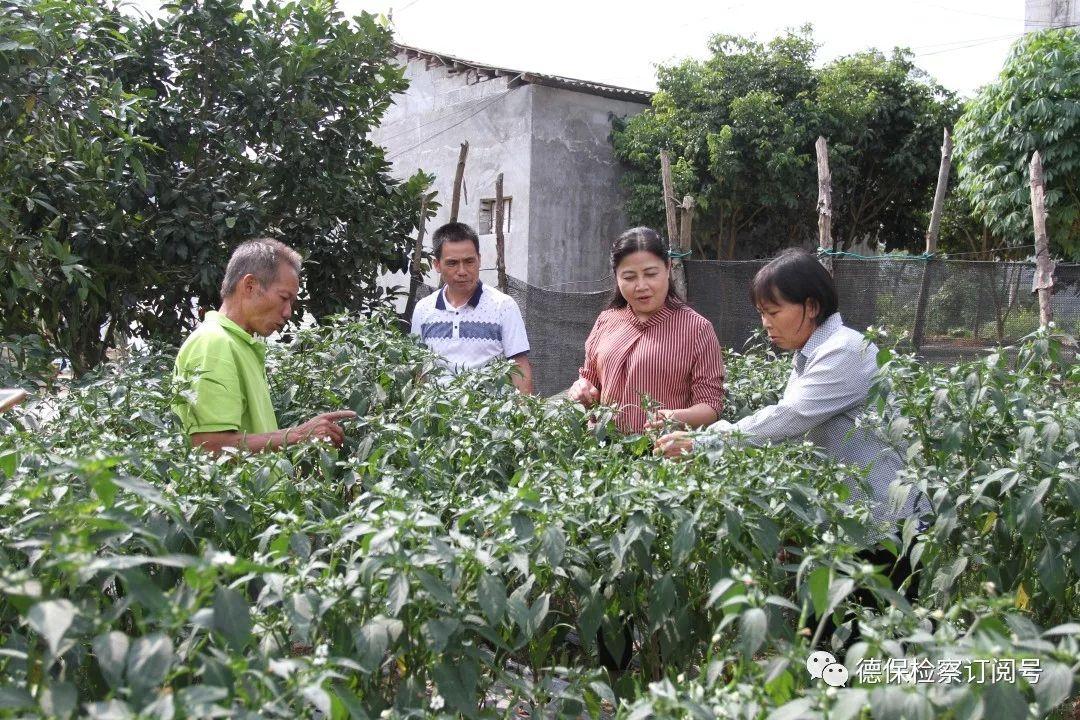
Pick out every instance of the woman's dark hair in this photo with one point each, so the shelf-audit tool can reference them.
(637, 240)
(796, 276)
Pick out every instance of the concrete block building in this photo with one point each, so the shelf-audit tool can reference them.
(1042, 14)
(547, 135)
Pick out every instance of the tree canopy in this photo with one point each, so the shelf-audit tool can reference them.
(741, 127)
(135, 154)
(1033, 105)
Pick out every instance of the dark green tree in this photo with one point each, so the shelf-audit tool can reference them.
(742, 124)
(736, 127)
(69, 157)
(1033, 105)
(224, 123)
(884, 119)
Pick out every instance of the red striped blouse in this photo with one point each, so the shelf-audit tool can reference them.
(674, 357)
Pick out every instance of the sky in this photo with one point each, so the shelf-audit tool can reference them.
(961, 43)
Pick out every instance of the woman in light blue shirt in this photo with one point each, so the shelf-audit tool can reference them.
(827, 391)
(825, 397)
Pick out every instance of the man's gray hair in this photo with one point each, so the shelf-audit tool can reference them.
(261, 257)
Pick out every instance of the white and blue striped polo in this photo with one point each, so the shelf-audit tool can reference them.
(489, 325)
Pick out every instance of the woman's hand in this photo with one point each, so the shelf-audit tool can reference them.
(664, 420)
(675, 444)
(584, 392)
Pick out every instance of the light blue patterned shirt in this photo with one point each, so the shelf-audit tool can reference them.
(824, 399)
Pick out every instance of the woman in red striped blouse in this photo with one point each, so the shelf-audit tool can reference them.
(649, 341)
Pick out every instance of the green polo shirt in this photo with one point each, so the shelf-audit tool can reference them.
(226, 369)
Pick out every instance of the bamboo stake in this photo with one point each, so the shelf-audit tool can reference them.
(824, 205)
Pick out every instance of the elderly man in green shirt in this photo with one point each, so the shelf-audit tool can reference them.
(223, 362)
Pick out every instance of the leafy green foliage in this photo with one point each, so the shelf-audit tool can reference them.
(464, 550)
(67, 139)
(1033, 105)
(1007, 506)
(135, 155)
(741, 128)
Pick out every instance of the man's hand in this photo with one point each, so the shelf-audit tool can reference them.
(321, 427)
(584, 392)
(675, 444)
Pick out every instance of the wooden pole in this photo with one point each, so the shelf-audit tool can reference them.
(686, 223)
(678, 267)
(669, 197)
(939, 194)
(1043, 283)
(932, 239)
(824, 203)
(417, 276)
(500, 240)
(455, 203)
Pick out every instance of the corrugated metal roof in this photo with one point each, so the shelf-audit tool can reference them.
(523, 76)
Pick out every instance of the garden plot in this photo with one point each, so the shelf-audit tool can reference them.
(448, 551)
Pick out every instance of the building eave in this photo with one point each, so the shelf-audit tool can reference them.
(520, 77)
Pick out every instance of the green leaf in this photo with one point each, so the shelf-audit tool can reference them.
(661, 601)
(1051, 570)
(436, 588)
(753, 627)
(149, 660)
(456, 682)
(373, 639)
(553, 545)
(523, 526)
(889, 703)
(1006, 701)
(537, 614)
(491, 594)
(140, 172)
(437, 633)
(9, 462)
(317, 698)
(15, 698)
(51, 619)
(59, 699)
(232, 617)
(397, 593)
(109, 710)
(202, 700)
(839, 589)
(302, 609)
(683, 542)
(794, 710)
(1054, 685)
(849, 704)
(818, 582)
(110, 650)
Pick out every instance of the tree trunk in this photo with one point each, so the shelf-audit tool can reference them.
(459, 176)
(1043, 283)
(500, 240)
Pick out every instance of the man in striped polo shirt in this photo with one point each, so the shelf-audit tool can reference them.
(466, 322)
